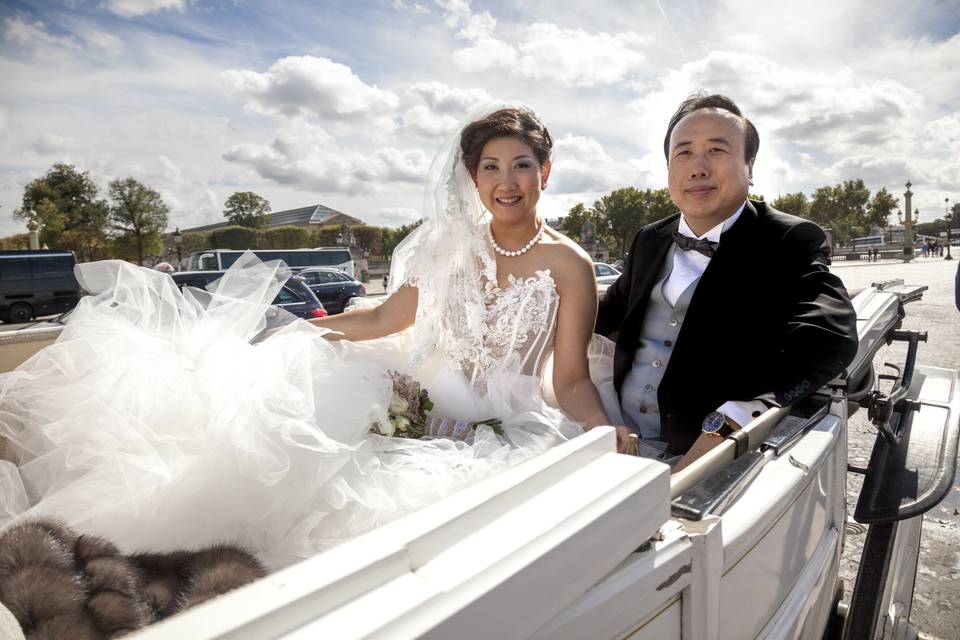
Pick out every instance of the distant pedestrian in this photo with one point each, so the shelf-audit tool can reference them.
(386, 279)
(941, 251)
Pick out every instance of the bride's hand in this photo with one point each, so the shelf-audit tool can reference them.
(623, 438)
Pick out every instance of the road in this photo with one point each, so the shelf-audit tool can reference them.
(936, 603)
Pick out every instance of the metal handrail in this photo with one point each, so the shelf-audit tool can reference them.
(758, 430)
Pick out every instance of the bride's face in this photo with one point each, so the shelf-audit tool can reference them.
(509, 179)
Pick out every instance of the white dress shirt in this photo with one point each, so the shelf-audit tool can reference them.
(687, 267)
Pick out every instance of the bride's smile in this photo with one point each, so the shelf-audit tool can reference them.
(509, 179)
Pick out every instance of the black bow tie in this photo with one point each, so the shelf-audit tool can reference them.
(703, 245)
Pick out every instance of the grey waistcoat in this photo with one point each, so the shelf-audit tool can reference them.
(658, 335)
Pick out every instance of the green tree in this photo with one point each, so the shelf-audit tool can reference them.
(795, 203)
(234, 237)
(136, 219)
(573, 221)
(247, 209)
(934, 228)
(842, 208)
(17, 241)
(880, 209)
(621, 213)
(64, 201)
(326, 236)
(284, 237)
(393, 237)
(195, 241)
(369, 239)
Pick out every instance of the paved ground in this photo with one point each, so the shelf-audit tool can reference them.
(936, 604)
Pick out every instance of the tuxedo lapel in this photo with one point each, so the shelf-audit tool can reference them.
(721, 287)
(645, 275)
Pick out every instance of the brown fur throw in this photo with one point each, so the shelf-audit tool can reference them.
(62, 585)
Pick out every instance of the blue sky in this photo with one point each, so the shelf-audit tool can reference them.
(345, 103)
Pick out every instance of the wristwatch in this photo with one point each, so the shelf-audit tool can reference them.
(722, 426)
(718, 424)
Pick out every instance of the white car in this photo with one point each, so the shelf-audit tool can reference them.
(606, 274)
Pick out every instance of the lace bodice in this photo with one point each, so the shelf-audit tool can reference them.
(518, 325)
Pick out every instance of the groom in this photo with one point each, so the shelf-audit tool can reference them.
(726, 308)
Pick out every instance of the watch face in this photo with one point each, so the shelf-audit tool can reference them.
(713, 422)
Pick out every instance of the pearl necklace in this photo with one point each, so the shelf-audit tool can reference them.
(519, 252)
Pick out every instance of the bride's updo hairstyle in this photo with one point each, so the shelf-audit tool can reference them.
(505, 123)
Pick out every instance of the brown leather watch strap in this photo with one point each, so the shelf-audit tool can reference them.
(742, 440)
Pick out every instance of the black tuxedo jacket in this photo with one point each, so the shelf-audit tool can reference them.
(767, 319)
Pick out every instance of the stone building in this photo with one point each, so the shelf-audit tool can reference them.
(311, 217)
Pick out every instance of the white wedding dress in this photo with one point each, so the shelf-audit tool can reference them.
(153, 420)
(163, 420)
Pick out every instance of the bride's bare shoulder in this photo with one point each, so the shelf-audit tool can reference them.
(566, 257)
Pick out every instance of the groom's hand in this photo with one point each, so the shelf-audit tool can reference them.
(623, 438)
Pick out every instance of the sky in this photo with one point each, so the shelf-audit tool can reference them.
(345, 103)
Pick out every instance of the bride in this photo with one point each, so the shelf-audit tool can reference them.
(158, 421)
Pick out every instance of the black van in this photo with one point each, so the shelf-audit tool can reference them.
(36, 283)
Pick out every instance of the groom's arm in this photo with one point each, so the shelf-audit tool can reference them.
(819, 336)
(613, 304)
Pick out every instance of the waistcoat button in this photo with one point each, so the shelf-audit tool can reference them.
(674, 322)
(648, 387)
(656, 363)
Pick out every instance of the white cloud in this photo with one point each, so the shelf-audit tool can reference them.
(485, 54)
(578, 58)
(393, 216)
(52, 144)
(308, 85)
(582, 165)
(573, 57)
(426, 122)
(132, 8)
(34, 36)
(414, 7)
(441, 107)
(836, 111)
(102, 40)
(306, 156)
(446, 99)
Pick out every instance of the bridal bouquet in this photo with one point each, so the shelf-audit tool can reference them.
(407, 415)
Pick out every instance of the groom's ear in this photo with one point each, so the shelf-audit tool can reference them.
(545, 172)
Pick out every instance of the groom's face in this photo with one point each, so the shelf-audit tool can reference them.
(709, 177)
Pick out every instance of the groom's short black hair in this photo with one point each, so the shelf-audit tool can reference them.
(716, 101)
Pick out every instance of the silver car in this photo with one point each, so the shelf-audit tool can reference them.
(606, 274)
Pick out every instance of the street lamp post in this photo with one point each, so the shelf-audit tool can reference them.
(907, 226)
(177, 240)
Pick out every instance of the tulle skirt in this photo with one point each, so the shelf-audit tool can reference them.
(165, 420)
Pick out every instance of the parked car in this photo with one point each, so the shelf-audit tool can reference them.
(606, 274)
(333, 287)
(36, 283)
(295, 296)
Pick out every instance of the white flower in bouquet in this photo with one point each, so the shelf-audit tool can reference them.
(398, 405)
(403, 423)
(386, 428)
